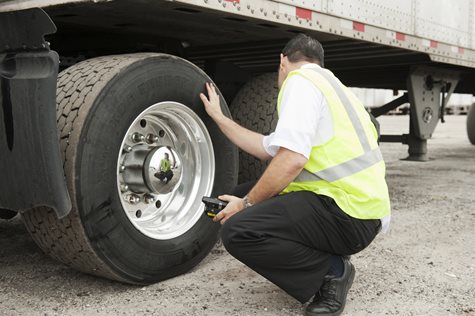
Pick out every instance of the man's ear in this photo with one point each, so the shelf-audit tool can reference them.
(283, 61)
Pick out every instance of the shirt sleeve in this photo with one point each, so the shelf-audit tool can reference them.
(300, 112)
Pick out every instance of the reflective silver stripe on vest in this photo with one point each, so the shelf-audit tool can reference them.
(355, 121)
(350, 167)
(343, 170)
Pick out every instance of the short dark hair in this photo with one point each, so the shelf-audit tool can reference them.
(304, 48)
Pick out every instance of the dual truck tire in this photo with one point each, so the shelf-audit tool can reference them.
(98, 101)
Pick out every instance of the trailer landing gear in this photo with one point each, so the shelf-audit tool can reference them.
(429, 90)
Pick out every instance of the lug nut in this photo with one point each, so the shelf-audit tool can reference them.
(122, 168)
(151, 138)
(124, 188)
(149, 199)
(132, 198)
(137, 137)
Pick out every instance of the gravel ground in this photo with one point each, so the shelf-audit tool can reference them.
(425, 265)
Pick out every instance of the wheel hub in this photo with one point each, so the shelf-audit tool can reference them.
(165, 165)
(142, 172)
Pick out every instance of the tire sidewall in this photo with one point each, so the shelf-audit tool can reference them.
(130, 253)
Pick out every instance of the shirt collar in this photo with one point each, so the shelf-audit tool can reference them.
(310, 65)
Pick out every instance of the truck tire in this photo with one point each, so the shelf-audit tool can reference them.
(118, 116)
(471, 124)
(255, 107)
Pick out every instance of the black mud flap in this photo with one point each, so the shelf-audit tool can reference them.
(31, 167)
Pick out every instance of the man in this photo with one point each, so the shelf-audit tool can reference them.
(165, 169)
(323, 195)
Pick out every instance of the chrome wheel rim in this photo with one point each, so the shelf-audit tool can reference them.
(163, 199)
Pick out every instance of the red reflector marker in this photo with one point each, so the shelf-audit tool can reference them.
(303, 13)
(400, 36)
(358, 26)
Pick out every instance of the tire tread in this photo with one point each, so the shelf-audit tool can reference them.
(65, 239)
(255, 107)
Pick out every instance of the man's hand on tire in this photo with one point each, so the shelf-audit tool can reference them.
(211, 104)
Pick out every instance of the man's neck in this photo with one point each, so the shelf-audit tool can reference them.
(297, 65)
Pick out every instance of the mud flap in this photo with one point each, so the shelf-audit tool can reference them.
(31, 166)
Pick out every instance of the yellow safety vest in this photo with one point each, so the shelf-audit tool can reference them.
(164, 165)
(349, 167)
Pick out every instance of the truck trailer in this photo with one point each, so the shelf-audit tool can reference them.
(80, 151)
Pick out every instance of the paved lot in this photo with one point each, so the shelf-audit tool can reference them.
(424, 266)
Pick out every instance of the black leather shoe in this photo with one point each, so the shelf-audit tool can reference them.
(331, 298)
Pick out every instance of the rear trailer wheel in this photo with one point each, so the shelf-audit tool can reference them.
(255, 107)
(133, 221)
(471, 124)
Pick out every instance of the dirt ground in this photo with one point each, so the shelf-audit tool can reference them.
(425, 265)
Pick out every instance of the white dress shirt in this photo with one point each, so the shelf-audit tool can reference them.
(304, 120)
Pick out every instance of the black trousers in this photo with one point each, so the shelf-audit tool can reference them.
(290, 239)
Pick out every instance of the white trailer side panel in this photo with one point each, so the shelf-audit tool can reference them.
(444, 21)
(443, 29)
(393, 15)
